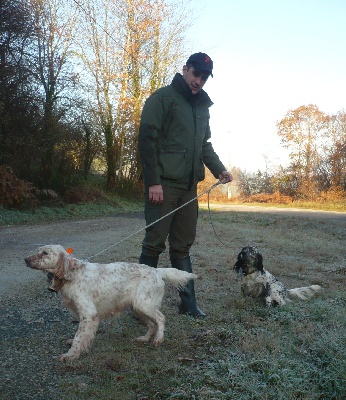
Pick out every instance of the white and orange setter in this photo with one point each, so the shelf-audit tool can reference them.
(94, 292)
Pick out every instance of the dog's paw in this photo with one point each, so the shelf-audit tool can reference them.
(157, 341)
(63, 358)
(67, 357)
(269, 302)
(143, 339)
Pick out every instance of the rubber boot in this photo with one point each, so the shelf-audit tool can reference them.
(151, 261)
(188, 303)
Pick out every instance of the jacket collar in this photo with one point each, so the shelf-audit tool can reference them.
(182, 87)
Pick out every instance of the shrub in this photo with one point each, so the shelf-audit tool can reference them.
(276, 198)
(335, 193)
(14, 192)
(83, 194)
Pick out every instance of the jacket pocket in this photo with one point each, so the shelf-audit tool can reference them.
(173, 163)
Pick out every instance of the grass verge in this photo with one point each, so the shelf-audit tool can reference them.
(68, 212)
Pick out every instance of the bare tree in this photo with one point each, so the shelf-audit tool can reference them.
(128, 49)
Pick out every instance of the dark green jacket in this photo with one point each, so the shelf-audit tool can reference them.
(173, 137)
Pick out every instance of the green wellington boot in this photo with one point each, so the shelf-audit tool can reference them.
(188, 303)
(151, 261)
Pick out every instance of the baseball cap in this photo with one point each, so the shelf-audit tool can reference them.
(201, 62)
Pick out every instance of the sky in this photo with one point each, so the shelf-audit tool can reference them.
(270, 56)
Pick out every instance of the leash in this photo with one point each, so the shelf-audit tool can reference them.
(147, 226)
(211, 222)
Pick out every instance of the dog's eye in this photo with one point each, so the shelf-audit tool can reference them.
(44, 253)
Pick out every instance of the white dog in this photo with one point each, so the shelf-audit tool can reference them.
(258, 282)
(93, 292)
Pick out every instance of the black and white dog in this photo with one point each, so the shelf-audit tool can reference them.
(258, 282)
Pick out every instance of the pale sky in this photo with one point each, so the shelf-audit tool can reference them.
(269, 56)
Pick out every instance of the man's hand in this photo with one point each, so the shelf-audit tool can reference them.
(156, 194)
(225, 177)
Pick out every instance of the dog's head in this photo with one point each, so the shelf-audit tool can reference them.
(54, 259)
(249, 261)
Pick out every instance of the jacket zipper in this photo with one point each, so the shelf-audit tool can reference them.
(192, 175)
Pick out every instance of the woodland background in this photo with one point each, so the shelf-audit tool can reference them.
(73, 79)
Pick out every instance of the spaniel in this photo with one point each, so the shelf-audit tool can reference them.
(258, 282)
(94, 292)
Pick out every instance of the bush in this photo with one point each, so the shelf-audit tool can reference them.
(14, 192)
(335, 193)
(83, 194)
(276, 198)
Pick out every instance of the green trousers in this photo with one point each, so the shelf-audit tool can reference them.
(179, 227)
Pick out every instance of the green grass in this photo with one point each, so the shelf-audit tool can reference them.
(256, 354)
(68, 212)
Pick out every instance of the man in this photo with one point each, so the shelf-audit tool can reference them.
(174, 146)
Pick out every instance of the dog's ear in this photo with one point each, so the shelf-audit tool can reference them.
(259, 262)
(72, 265)
(237, 266)
(239, 263)
(60, 270)
(66, 266)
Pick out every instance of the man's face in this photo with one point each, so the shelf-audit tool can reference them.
(194, 79)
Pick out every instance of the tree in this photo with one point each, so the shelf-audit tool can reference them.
(50, 65)
(18, 105)
(254, 183)
(304, 131)
(122, 66)
(336, 153)
(59, 105)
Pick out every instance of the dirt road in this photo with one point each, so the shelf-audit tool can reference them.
(86, 237)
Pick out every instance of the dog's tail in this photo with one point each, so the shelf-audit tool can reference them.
(175, 277)
(305, 292)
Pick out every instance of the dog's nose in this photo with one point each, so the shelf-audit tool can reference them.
(27, 261)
